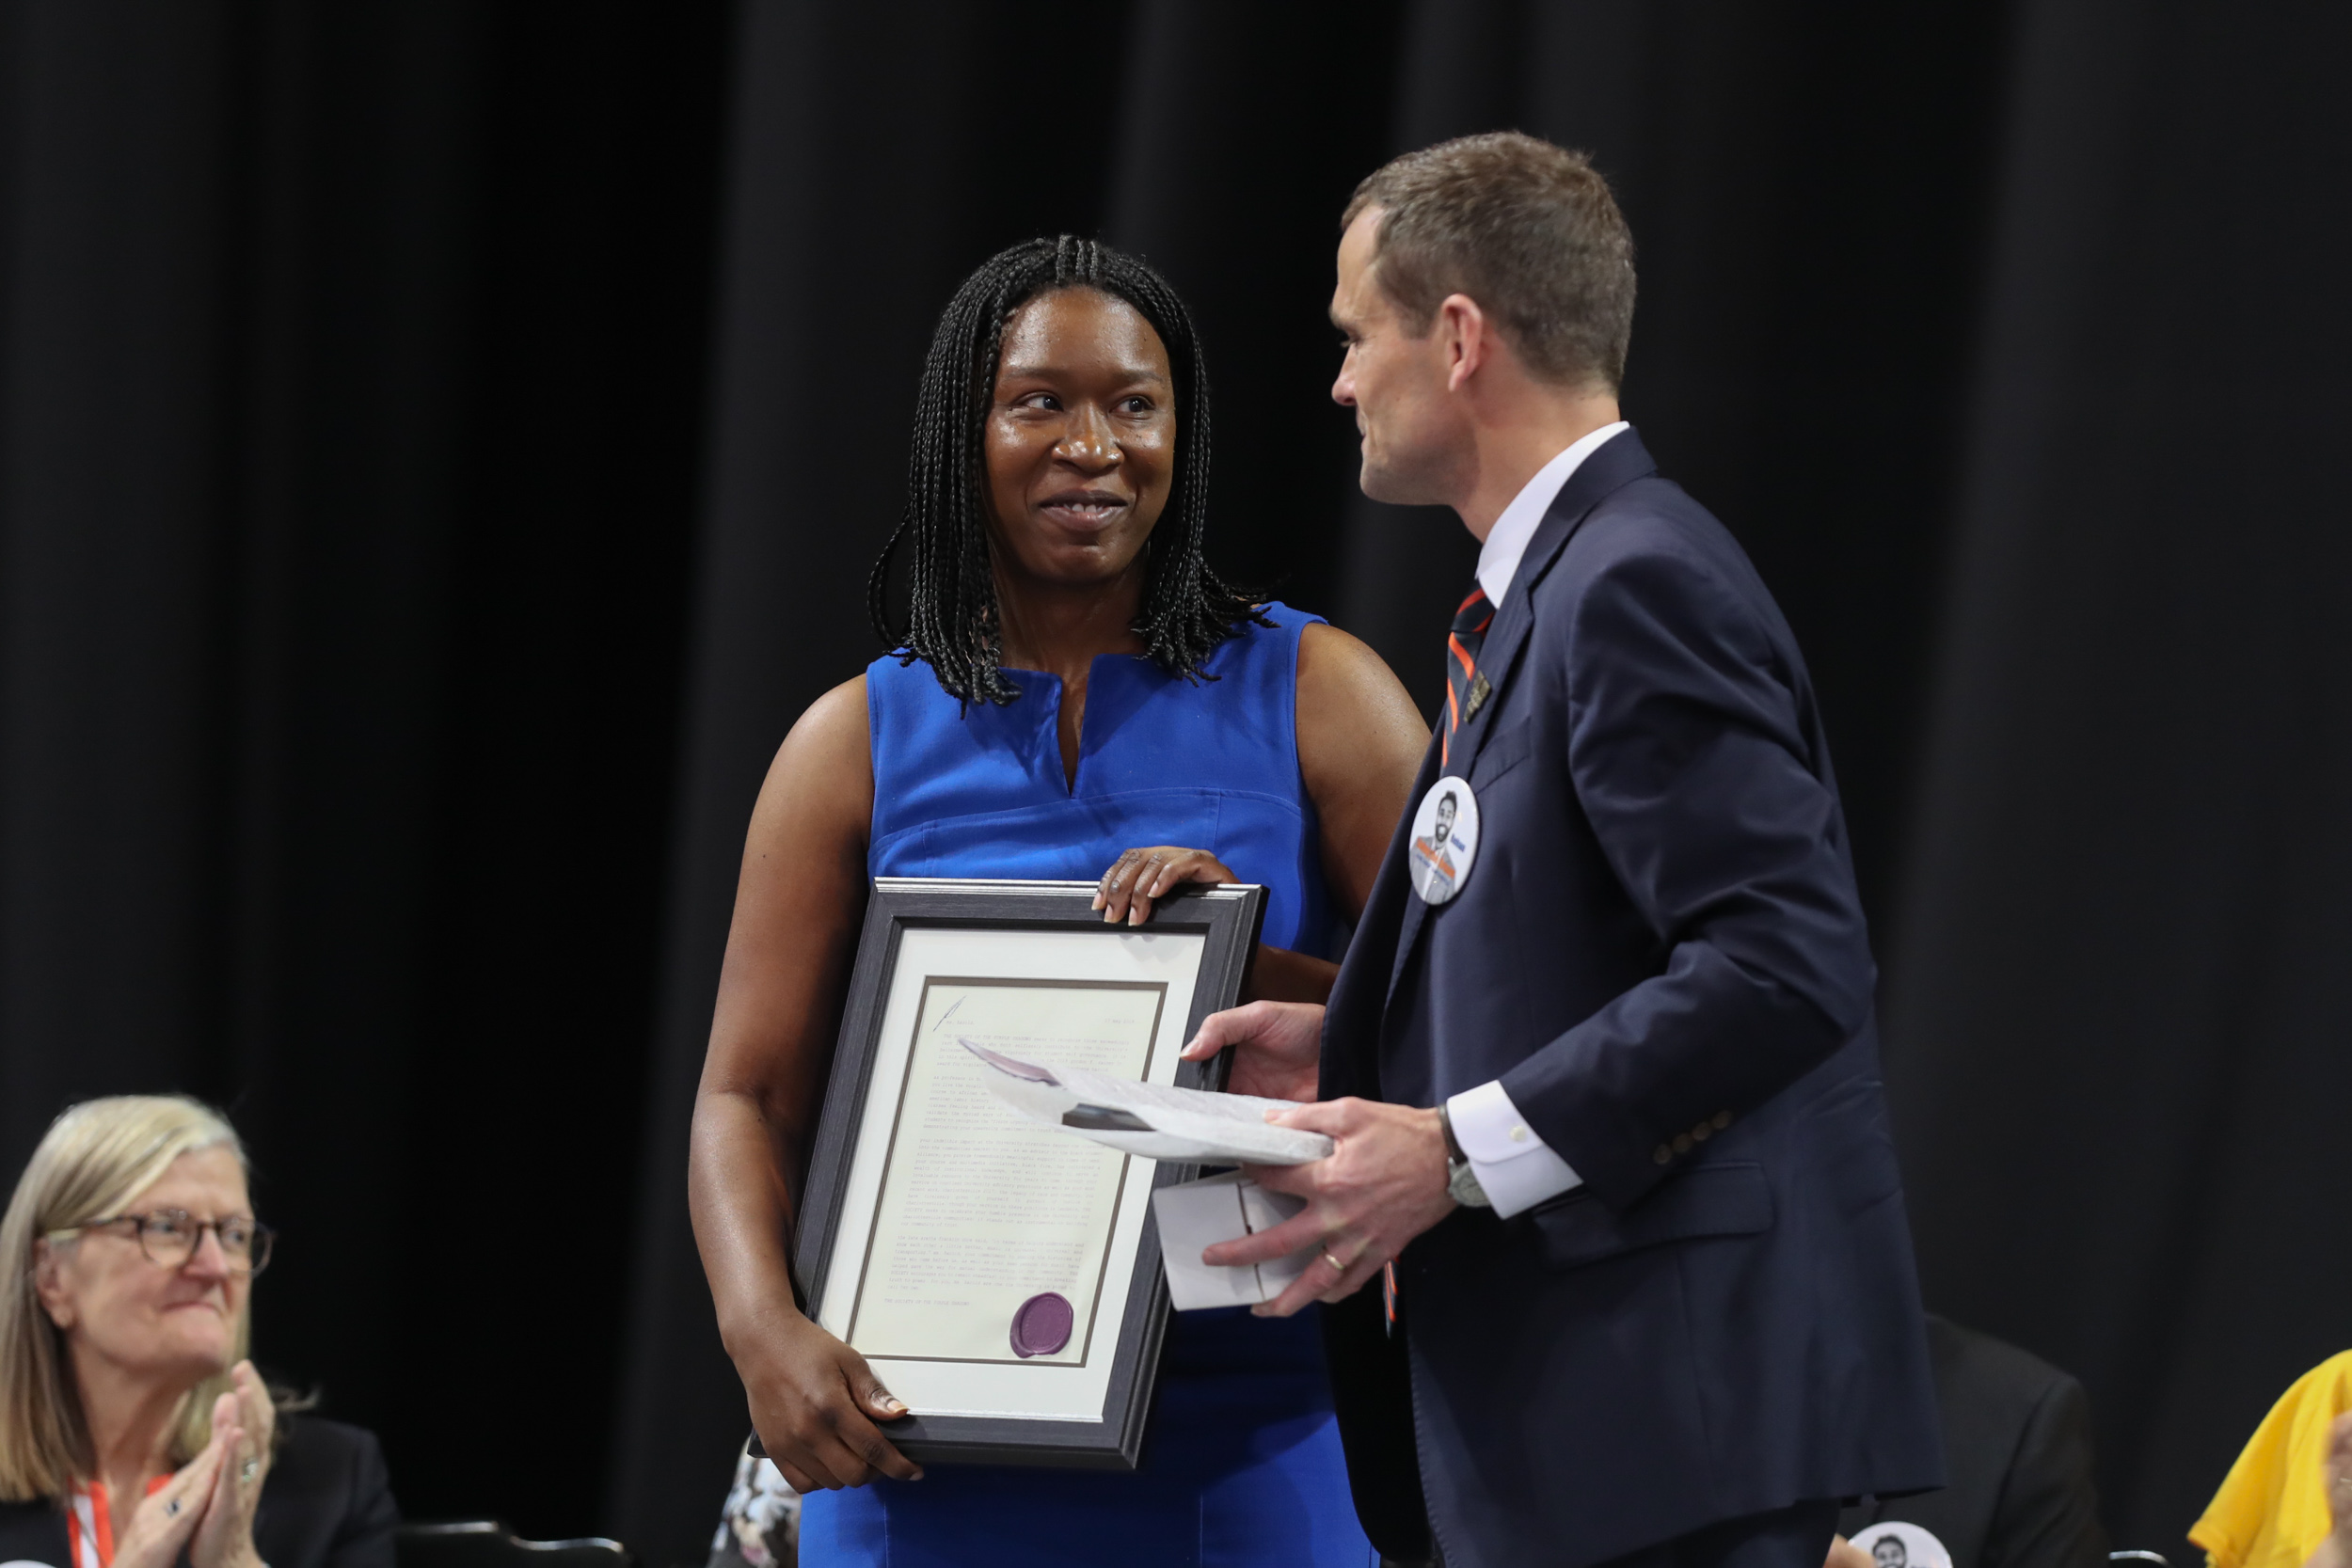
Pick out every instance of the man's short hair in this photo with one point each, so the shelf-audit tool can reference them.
(1527, 229)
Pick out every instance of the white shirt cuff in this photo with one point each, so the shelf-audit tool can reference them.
(1516, 1168)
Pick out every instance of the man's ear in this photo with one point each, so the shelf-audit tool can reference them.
(1469, 339)
(49, 1284)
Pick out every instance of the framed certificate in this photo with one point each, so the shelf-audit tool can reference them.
(1003, 1277)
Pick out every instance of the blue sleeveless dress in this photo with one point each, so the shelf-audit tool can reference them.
(1241, 1465)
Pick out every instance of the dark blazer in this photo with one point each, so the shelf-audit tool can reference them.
(327, 1503)
(2021, 1492)
(1661, 953)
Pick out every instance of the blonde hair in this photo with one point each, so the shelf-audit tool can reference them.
(97, 1157)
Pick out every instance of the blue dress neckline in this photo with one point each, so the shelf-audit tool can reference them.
(1048, 690)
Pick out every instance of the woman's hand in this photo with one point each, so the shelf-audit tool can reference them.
(242, 1420)
(169, 1517)
(796, 912)
(814, 1403)
(1141, 876)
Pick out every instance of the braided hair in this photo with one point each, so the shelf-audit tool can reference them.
(952, 621)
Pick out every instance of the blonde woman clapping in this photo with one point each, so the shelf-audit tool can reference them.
(133, 1429)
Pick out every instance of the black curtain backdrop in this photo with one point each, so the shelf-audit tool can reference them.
(442, 448)
(349, 386)
(2121, 997)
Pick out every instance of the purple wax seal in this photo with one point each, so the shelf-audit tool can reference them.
(1040, 1326)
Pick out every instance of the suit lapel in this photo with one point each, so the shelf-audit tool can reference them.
(1361, 993)
(1615, 464)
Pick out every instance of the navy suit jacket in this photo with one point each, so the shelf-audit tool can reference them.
(1661, 953)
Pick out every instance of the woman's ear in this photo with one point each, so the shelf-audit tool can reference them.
(49, 1284)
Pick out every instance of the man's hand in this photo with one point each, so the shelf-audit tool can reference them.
(1381, 1187)
(1277, 1049)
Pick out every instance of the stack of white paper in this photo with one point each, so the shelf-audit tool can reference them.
(1156, 1121)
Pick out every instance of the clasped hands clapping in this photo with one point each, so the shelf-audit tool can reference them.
(206, 1507)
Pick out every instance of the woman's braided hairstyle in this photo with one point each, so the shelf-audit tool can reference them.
(952, 622)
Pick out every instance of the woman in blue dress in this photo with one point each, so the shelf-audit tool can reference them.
(1072, 694)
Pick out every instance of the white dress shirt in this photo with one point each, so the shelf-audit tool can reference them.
(1517, 1169)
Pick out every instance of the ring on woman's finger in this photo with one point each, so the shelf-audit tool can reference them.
(171, 1509)
(1337, 1267)
(247, 1471)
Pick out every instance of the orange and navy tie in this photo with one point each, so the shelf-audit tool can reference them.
(1461, 662)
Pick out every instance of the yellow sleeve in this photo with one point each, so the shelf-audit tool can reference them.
(2272, 1509)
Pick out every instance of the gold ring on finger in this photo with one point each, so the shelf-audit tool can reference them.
(1337, 1267)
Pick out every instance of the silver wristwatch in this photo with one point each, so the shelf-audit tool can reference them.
(1461, 1181)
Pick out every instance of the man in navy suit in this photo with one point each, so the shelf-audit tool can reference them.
(1606, 1094)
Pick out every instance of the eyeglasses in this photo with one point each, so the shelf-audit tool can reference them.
(170, 1237)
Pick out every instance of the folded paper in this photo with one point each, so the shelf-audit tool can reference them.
(1156, 1120)
(1196, 1215)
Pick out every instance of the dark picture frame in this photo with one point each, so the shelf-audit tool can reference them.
(1227, 919)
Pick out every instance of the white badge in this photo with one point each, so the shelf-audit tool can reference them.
(1897, 1544)
(1445, 839)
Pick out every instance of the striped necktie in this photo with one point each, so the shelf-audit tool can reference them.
(1461, 664)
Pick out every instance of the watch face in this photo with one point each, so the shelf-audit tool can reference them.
(1461, 1185)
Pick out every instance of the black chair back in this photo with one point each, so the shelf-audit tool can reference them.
(488, 1543)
